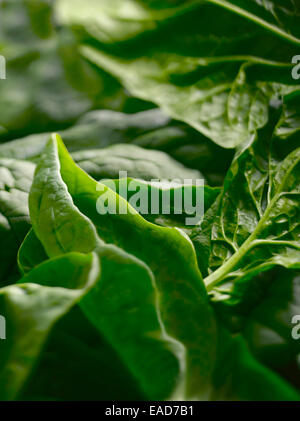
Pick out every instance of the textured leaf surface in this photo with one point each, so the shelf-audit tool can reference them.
(254, 224)
(211, 73)
(63, 194)
(33, 307)
(150, 129)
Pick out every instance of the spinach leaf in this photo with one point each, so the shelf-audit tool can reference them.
(119, 286)
(15, 181)
(31, 253)
(63, 192)
(150, 129)
(240, 376)
(217, 75)
(165, 203)
(42, 92)
(63, 206)
(92, 371)
(254, 224)
(138, 163)
(270, 323)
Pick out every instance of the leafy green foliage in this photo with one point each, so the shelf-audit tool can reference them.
(150, 129)
(135, 161)
(34, 305)
(218, 75)
(42, 90)
(255, 223)
(15, 181)
(106, 288)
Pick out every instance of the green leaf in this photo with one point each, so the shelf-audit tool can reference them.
(137, 337)
(138, 163)
(277, 16)
(31, 309)
(217, 75)
(262, 311)
(254, 225)
(31, 253)
(40, 13)
(55, 219)
(64, 195)
(91, 371)
(128, 291)
(95, 129)
(15, 181)
(183, 210)
(42, 92)
(239, 376)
